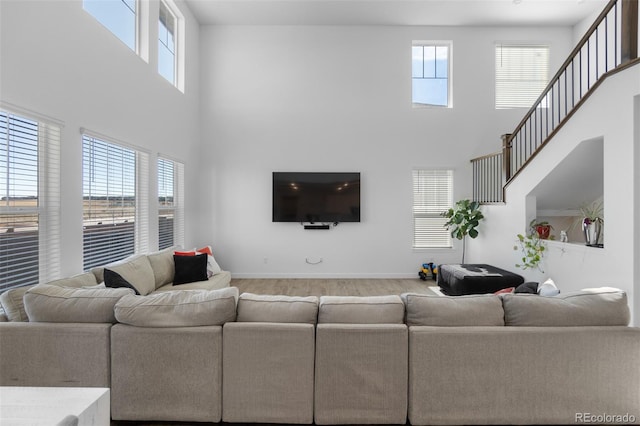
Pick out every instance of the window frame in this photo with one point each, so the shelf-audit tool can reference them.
(48, 140)
(435, 43)
(508, 99)
(163, 4)
(437, 208)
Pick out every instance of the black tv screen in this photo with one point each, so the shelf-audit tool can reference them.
(316, 197)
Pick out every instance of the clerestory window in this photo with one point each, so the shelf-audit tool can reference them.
(431, 73)
(522, 73)
(118, 16)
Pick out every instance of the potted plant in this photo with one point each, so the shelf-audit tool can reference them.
(542, 229)
(533, 248)
(592, 220)
(464, 218)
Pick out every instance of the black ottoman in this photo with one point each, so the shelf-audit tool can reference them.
(458, 280)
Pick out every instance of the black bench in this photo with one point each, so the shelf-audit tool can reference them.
(461, 279)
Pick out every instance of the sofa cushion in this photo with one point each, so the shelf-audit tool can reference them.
(114, 280)
(188, 308)
(86, 279)
(361, 310)
(98, 271)
(267, 308)
(163, 266)
(51, 303)
(13, 304)
(136, 270)
(584, 308)
(454, 311)
(190, 269)
(216, 282)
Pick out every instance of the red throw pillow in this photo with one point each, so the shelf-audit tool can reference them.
(206, 249)
(505, 290)
(203, 250)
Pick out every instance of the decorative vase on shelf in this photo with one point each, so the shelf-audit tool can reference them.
(591, 229)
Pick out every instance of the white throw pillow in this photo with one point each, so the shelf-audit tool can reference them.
(548, 288)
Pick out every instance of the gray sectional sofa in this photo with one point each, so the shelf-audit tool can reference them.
(210, 354)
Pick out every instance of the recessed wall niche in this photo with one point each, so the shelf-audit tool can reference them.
(578, 180)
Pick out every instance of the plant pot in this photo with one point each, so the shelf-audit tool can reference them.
(591, 229)
(543, 231)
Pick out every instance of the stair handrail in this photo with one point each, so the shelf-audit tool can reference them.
(608, 46)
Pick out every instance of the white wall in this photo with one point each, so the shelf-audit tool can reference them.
(57, 60)
(338, 98)
(611, 113)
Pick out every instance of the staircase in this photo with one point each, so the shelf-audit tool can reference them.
(609, 46)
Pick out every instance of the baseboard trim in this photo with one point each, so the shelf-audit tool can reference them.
(328, 276)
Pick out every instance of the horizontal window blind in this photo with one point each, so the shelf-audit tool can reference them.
(29, 201)
(432, 195)
(142, 203)
(166, 203)
(170, 202)
(178, 212)
(109, 201)
(522, 73)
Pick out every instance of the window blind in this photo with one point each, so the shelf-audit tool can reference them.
(170, 203)
(29, 201)
(142, 203)
(522, 73)
(432, 195)
(109, 201)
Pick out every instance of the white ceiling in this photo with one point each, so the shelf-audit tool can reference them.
(394, 12)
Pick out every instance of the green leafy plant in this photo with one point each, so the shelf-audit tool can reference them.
(533, 248)
(464, 218)
(593, 212)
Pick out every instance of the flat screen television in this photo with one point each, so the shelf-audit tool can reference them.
(316, 197)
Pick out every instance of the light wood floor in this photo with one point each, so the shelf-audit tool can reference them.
(333, 287)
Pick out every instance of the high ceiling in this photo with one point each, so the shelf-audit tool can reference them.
(394, 12)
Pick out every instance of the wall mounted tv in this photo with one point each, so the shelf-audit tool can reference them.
(316, 197)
